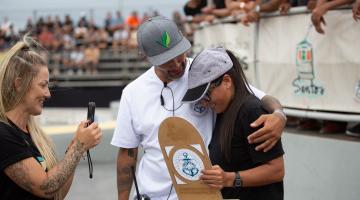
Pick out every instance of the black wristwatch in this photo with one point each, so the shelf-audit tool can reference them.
(237, 181)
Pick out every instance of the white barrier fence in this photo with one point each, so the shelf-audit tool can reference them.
(310, 73)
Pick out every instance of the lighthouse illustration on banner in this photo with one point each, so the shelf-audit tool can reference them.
(305, 83)
(304, 61)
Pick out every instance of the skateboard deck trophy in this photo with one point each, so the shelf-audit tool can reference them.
(185, 156)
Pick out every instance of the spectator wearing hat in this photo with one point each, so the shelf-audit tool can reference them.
(155, 96)
(217, 81)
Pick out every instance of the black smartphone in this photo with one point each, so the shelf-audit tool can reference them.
(90, 117)
(91, 112)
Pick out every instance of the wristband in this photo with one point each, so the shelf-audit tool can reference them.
(281, 113)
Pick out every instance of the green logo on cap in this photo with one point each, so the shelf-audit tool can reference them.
(165, 40)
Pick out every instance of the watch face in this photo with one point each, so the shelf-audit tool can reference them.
(237, 183)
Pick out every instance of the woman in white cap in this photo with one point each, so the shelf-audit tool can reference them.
(217, 80)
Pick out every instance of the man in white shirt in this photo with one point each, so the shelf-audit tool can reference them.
(156, 95)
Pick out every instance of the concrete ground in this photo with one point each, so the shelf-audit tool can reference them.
(61, 124)
(102, 186)
(318, 166)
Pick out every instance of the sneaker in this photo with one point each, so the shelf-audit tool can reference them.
(333, 127)
(354, 131)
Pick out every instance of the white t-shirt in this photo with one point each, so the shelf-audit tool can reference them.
(139, 117)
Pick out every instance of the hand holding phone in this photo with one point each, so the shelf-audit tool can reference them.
(91, 112)
(90, 117)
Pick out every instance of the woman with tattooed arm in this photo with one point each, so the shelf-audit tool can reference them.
(28, 166)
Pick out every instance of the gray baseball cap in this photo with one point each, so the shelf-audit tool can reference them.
(206, 67)
(160, 40)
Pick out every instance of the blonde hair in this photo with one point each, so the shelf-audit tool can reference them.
(23, 61)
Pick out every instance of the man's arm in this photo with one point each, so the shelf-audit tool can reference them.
(221, 12)
(271, 104)
(254, 15)
(322, 6)
(218, 12)
(193, 3)
(356, 10)
(232, 5)
(126, 159)
(284, 7)
(270, 6)
(273, 125)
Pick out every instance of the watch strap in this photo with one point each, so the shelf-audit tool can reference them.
(237, 181)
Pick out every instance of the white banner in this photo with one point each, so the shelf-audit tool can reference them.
(302, 68)
(238, 39)
(305, 69)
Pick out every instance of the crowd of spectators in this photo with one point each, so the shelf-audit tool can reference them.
(7, 33)
(76, 46)
(249, 11)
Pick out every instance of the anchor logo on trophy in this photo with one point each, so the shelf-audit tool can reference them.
(187, 163)
(189, 167)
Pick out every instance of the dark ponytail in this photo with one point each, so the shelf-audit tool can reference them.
(241, 91)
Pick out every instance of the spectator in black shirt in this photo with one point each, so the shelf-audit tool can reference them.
(238, 169)
(193, 7)
(200, 10)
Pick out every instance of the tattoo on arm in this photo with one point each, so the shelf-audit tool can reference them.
(18, 172)
(126, 159)
(64, 170)
(124, 179)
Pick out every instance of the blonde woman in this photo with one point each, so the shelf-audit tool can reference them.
(29, 168)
